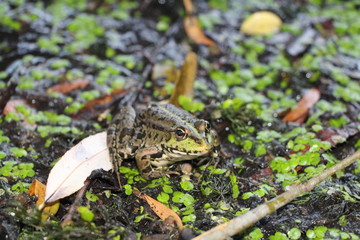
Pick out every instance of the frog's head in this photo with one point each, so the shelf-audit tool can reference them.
(193, 139)
(183, 135)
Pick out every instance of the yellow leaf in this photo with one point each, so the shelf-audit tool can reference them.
(38, 189)
(261, 23)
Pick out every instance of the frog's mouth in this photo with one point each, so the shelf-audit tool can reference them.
(174, 153)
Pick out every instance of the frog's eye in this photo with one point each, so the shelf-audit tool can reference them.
(180, 133)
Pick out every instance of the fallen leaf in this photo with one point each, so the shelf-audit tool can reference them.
(185, 85)
(194, 31)
(261, 23)
(96, 106)
(161, 210)
(66, 87)
(70, 172)
(299, 114)
(11, 105)
(192, 26)
(189, 7)
(38, 189)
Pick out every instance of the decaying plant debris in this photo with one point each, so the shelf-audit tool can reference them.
(66, 65)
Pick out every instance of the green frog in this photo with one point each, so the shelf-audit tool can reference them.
(158, 135)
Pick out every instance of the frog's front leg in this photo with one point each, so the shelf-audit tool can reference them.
(143, 160)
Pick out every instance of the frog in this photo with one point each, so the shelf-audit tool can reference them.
(157, 136)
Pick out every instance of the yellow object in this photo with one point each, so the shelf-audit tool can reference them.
(261, 23)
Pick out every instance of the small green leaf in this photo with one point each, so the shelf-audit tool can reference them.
(18, 152)
(247, 195)
(294, 233)
(219, 171)
(167, 189)
(86, 214)
(128, 189)
(186, 185)
(91, 197)
(278, 236)
(311, 234)
(256, 234)
(189, 218)
(163, 197)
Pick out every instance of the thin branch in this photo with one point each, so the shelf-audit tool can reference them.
(246, 220)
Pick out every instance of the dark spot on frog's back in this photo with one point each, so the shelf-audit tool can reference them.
(157, 155)
(141, 135)
(126, 132)
(134, 149)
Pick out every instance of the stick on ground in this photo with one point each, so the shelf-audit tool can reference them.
(246, 220)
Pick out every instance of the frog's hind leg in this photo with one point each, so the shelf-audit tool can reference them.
(119, 134)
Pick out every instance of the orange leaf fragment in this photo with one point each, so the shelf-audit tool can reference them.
(194, 31)
(299, 114)
(11, 105)
(160, 209)
(38, 189)
(96, 106)
(189, 7)
(192, 26)
(66, 87)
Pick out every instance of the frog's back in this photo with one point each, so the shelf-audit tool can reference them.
(166, 117)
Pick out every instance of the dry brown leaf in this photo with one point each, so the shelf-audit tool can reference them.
(185, 85)
(194, 31)
(261, 23)
(11, 105)
(299, 114)
(66, 87)
(70, 172)
(160, 209)
(192, 26)
(189, 7)
(38, 189)
(97, 106)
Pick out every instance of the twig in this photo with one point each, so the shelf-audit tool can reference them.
(246, 220)
(67, 218)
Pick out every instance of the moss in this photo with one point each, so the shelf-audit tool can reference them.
(86, 30)
(190, 105)
(18, 152)
(163, 24)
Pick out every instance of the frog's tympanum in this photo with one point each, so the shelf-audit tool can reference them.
(157, 136)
